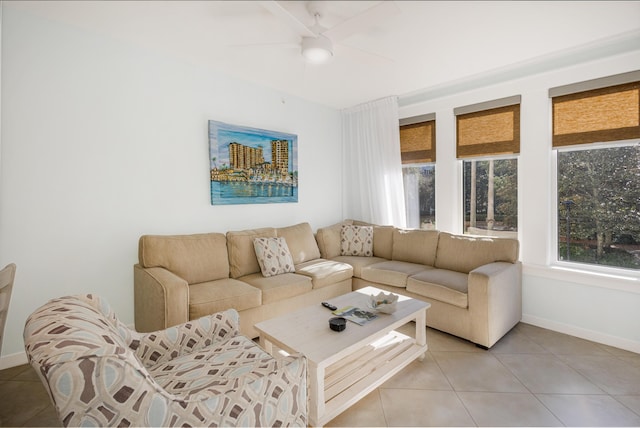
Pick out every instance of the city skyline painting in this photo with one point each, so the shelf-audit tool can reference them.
(251, 165)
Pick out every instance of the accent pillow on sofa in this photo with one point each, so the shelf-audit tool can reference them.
(356, 240)
(273, 256)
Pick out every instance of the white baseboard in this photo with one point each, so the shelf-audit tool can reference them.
(13, 360)
(583, 333)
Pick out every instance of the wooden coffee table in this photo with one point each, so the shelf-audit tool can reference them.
(345, 366)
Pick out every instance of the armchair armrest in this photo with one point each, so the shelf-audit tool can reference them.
(283, 387)
(164, 345)
(495, 300)
(279, 398)
(161, 298)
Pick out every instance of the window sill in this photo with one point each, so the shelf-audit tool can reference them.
(616, 281)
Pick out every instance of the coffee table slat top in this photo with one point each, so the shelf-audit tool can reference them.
(307, 330)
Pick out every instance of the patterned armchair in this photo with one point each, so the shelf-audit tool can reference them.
(98, 372)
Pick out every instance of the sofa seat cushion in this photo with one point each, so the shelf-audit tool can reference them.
(325, 272)
(392, 272)
(358, 262)
(225, 367)
(279, 287)
(210, 297)
(440, 284)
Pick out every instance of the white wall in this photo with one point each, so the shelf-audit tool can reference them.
(597, 307)
(103, 142)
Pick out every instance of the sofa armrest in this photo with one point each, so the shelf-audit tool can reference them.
(161, 299)
(164, 345)
(495, 300)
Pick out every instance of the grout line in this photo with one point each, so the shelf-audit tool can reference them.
(384, 414)
(454, 390)
(623, 404)
(533, 394)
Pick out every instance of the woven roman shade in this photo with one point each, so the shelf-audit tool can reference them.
(418, 141)
(597, 115)
(487, 129)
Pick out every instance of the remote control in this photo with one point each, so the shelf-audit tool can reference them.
(329, 306)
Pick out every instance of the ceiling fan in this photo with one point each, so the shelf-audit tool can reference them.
(317, 42)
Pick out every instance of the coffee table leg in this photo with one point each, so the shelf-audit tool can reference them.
(266, 345)
(316, 393)
(421, 330)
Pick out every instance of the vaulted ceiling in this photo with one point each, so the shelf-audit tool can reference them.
(415, 49)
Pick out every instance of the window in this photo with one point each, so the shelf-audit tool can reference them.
(420, 195)
(488, 137)
(418, 153)
(491, 197)
(599, 206)
(596, 127)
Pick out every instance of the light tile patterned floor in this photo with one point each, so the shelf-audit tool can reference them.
(532, 377)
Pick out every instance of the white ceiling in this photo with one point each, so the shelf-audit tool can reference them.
(425, 47)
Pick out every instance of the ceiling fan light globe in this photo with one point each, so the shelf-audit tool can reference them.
(317, 49)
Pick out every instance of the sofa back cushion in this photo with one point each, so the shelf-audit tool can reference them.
(242, 254)
(464, 253)
(382, 239)
(415, 246)
(195, 258)
(301, 242)
(328, 239)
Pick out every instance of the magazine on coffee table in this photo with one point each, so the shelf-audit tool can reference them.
(355, 314)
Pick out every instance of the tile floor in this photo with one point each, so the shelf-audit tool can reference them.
(532, 377)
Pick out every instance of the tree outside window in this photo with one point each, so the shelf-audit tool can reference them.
(491, 197)
(601, 189)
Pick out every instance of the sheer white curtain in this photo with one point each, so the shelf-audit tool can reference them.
(373, 190)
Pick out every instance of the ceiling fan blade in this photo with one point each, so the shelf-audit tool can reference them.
(362, 56)
(285, 45)
(363, 21)
(279, 11)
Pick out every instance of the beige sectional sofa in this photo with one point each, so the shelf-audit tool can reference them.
(183, 277)
(472, 283)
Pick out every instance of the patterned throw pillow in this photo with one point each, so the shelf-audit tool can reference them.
(356, 240)
(273, 256)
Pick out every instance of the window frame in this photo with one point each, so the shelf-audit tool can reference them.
(435, 201)
(595, 87)
(431, 119)
(553, 259)
(504, 156)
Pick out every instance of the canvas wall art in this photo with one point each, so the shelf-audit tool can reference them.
(252, 166)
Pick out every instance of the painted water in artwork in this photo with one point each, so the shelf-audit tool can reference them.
(252, 166)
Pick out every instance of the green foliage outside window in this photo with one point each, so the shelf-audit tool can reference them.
(601, 187)
(496, 195)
